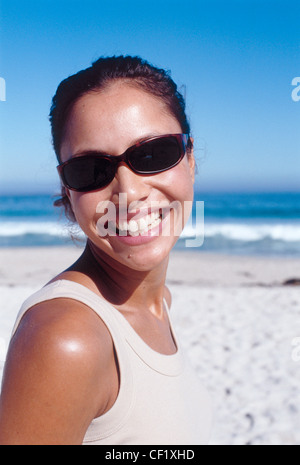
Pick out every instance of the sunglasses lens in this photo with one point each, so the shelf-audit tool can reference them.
(92, 172)
(88, 173)
(156, 155)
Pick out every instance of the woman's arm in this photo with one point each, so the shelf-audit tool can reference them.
(59, 375)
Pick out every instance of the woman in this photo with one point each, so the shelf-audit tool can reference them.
(93, 358)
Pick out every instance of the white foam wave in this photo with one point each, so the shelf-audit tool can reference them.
(248, 232)
(14, 229)
(230, 231)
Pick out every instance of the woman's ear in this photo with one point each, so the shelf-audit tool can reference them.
(69, 196)
(191, 159)
(66, 194)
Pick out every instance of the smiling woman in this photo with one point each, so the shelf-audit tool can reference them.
(94, 358)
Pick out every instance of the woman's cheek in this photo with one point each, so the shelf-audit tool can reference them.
(180, 183)
(84, 207)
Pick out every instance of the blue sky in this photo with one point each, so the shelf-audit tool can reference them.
(236, 59)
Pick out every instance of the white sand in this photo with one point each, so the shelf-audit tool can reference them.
(235, 319)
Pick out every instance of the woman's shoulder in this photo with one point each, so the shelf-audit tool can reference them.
(56, 361)
(60, 319)
(65, 326)
(56, 314)
(64, 332)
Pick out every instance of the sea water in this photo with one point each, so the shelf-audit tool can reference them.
(236, 223)
(251, 223)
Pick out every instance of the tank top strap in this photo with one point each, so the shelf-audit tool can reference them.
(75, 291)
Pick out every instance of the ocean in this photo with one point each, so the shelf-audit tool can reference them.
(234, 223)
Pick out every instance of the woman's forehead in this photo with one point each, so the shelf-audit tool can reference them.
(112, 121)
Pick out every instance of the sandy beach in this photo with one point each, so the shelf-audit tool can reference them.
(237, 318)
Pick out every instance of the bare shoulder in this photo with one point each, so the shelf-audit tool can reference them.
(64, 328)
(56, 361)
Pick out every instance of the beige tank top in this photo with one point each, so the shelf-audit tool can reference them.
(160, 400)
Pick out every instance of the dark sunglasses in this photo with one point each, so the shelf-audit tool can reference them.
(92, 171)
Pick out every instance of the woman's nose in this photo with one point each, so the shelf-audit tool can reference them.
(132, 184)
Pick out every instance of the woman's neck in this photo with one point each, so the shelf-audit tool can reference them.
(123, 286)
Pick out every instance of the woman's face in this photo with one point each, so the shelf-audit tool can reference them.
(110, 121)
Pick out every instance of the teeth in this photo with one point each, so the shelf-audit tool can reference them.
(140, 226)
(133, 226)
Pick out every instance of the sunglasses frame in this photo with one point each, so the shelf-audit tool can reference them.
(115, 160)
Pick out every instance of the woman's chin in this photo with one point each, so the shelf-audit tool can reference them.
(134, 253)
